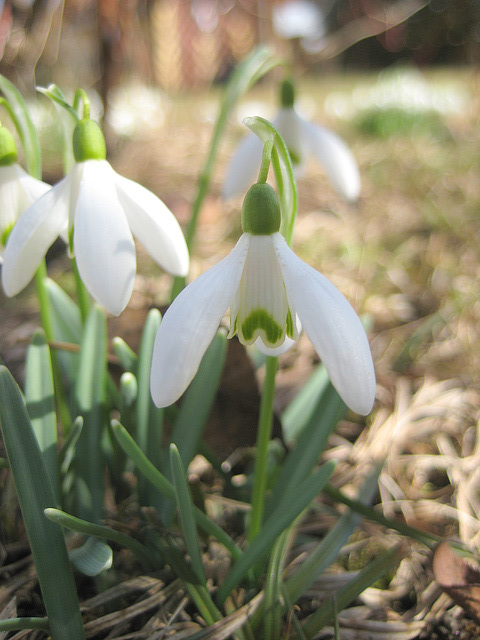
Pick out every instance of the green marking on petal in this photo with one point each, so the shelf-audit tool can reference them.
(294, 157)
(290, 327)
(261, 320)
(6, 232)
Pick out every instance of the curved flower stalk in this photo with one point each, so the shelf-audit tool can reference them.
(268, 289)
(18, 190)
(303, 139)
(95, 211)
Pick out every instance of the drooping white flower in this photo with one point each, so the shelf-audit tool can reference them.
(303, 139)
(268, 288)
(96, 211)
(18, 189)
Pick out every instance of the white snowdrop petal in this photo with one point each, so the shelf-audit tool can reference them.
(190, 324)
(243, 168)
(336, 158)
(103, 245)
(274, 351)
(30, 189)
(152, 222)
(333, 327)
(32, 235)
(290, 126)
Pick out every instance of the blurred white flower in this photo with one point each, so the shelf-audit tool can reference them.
(302, 139)
(18, 190)
(270, 291)
(96, 211)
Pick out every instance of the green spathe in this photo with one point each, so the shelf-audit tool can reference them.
(261, 211)
(8, 148)
(88, 141)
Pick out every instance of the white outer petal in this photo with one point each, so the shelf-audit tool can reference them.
(152, 222)
(103, 245)
(290, 126)
(243, 168)
(336, 158)
(190, 324)
(333, 327)
(30, 189)
(32, 235)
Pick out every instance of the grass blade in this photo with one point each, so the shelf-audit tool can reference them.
(304, 456)
(154, 476)
(149, 418)
(24, 125)
(370, 574)
(90, 395)
(187, 517)
(35, 494)
(100, 531)
(279, 520)
(40, 399)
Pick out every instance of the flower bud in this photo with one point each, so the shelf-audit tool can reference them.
(8, 148)
(88, 141)
(287, 94)
(261, 211)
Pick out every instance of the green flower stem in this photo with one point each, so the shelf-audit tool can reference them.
(266, 160)
(46, 318)
(263, 439)
(83, 297)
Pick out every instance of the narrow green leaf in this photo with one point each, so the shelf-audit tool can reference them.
(90, 396)
(66, 328)
(17, 624)
(299, 412)
(40, 399)
(307, 450)
(126, 355)
(137, 456)
(198, 400)
(149, 418)
(370, 574)
(272, 606)
(100, 531)
(279, 520)
(328, 549)
(35, 494)
(282, 169)
(24, 125)
(187, 517)
(92, 558)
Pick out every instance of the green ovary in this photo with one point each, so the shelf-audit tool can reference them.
(260, 320)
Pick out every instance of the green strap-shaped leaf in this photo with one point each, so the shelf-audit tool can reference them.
(149, 418)
(24, 125)
(90, 396)
(305, 454)
(187, 516)
(279, 520)
(283, 171)
(35, 494)
(40, 397)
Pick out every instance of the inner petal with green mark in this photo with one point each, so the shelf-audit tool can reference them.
(260, 307)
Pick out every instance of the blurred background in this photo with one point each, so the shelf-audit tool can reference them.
(181, 44)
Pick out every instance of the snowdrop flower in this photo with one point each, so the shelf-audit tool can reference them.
(302, 139)
(268, 288)
(95, 211)
(18, 190)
